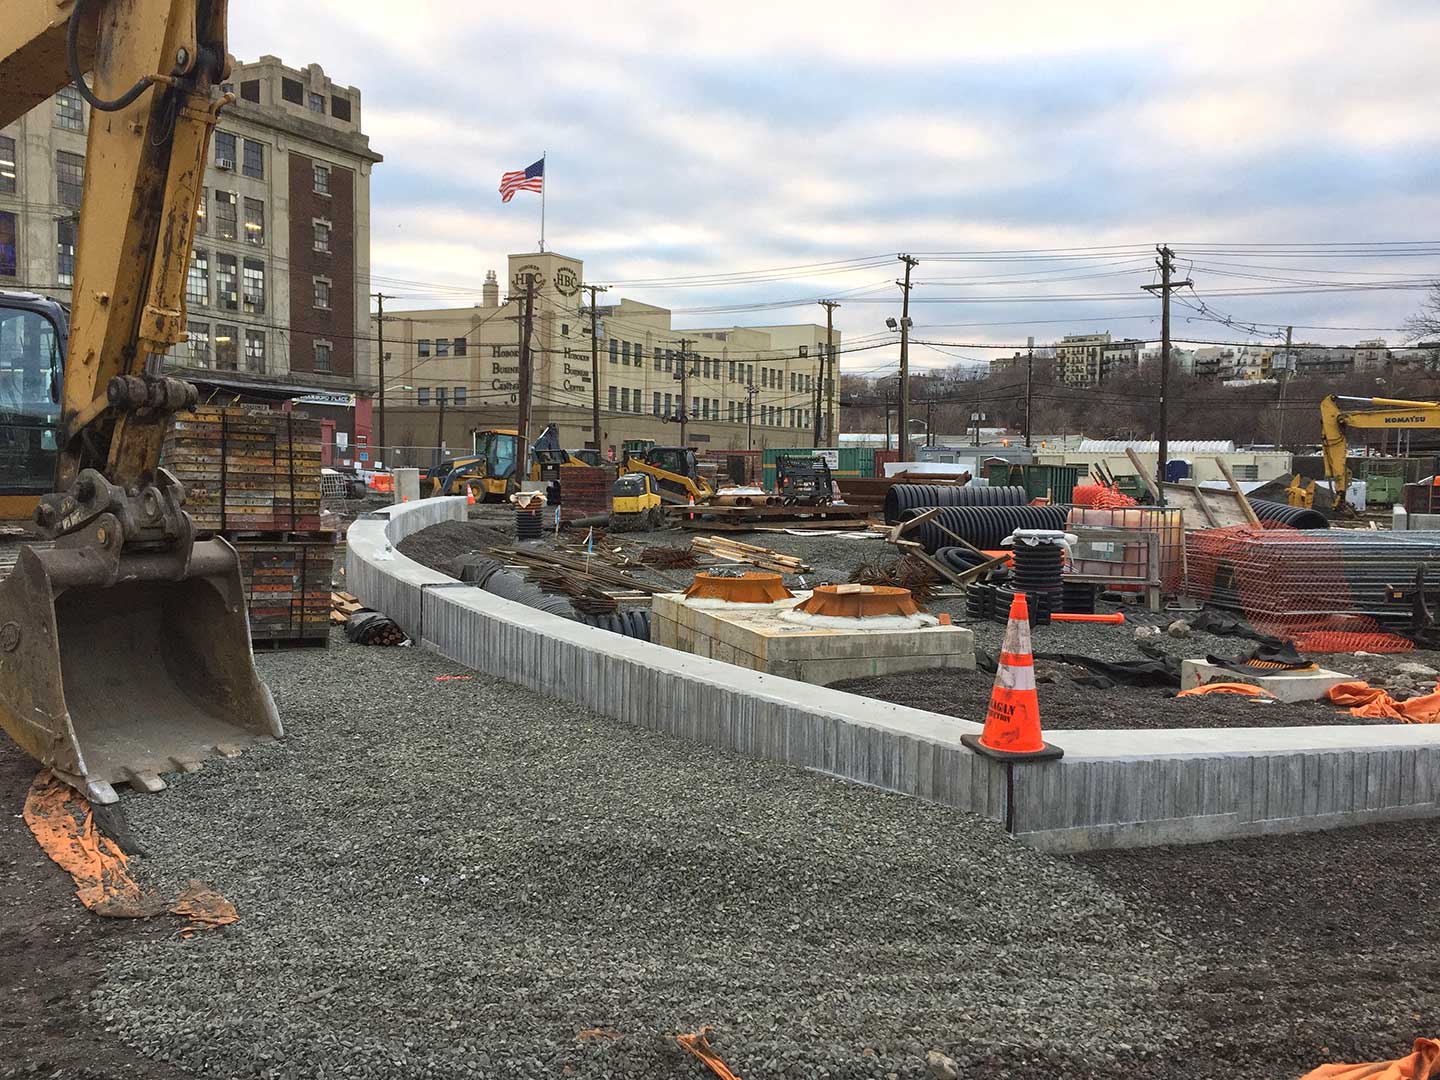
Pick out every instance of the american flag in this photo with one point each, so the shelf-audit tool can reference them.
(530, 179)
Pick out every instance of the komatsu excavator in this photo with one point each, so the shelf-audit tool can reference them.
(124, 641)
(1339, 415)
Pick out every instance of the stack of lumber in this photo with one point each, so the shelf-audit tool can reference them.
(247, 470)
(342, 606)
(733, 551)
(287, 588)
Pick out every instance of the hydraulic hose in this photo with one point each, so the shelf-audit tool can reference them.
(72, 52)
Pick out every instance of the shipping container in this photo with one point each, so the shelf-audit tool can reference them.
(845, 461)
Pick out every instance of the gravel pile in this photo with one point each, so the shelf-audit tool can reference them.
(436, 546)
(458, 878)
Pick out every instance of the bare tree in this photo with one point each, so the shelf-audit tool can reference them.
(1424, 325)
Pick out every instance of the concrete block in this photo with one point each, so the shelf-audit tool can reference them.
(1285, 686)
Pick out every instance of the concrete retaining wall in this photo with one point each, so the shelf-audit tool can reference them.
(1111, 789)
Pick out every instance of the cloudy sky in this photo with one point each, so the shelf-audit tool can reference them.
(1046, 147)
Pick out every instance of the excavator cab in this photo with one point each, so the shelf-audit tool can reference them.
(117, 661)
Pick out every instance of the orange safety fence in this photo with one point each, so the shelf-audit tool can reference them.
(64, 826)
(1371, 701)
(1422, 1064)
(1100, 497)
(698, 1045)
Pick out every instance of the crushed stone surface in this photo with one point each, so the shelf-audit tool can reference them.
(457, 878)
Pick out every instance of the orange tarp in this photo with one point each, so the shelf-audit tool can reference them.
(1423, 1064)
(1226, 688)
(1367, 700)
(64, 826)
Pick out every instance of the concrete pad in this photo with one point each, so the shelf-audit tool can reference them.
(1285, 686)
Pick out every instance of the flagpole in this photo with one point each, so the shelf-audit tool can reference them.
(543, 185)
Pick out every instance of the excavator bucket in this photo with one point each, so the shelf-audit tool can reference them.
(115, 668)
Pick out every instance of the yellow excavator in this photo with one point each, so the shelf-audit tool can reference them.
(1341, 414)
(675, 470)
(124, 641)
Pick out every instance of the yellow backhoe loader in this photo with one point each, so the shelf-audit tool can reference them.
(1340, 414)
(124, 641)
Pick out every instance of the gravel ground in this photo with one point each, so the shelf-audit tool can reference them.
(455, 878)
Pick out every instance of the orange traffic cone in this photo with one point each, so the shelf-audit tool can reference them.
(469, 495)
(1012, 723)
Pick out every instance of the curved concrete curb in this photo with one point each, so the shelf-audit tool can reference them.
(1111, 789)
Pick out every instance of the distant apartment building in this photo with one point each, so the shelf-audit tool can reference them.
(1120, 358)
(448, 372)
(1078, 358)
(1214, 362)
(277, 295)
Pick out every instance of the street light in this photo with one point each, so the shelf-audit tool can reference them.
(896, 324)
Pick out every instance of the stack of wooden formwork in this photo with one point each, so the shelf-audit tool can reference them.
(252, 475)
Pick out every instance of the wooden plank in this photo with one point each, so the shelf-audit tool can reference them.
(1250, 514)
(1144, 473)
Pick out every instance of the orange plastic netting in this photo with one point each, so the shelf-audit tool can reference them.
(698, 1045)
(64, 826)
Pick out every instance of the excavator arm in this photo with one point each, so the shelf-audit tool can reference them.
(124, 647)
(1341, 414)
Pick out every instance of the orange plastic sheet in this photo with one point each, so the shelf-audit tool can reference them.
(699, 1045)
(64, 826)
(1422, 1064)
(1372, 701)
(1244, 689)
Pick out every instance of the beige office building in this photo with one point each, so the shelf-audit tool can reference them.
(451, 371)
(277, 294)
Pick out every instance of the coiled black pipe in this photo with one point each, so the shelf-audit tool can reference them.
(512, 586)
(902, 497)
(634, 623)
(960, 559)
(1272, 514)
(983, 526)
(473, 569)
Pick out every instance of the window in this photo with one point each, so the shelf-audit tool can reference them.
(197, 281)
(340, 107)
(292, 91)
(322, 236)
(316, 103)
(793, 387)
(7, 165)
(255, 351)
(669, 405)
(694, 407)
(250, 90)
(655, 404)
(7, 244)
(440, 396)
(614, 352)
(639, 355)
(613, 392)
(422, 396)
(201, 223)
(69, 178)
(254, 221)
(459, 346)
(227, 288)
(659, 359)
(715, 408)
(199, 333)
(254, 159)
(442, 346)
(227, 347)
(731, 372)
(625, 352)
(226, 226)
(804, 351)
(322, 179)
(254, 286)
(69, 110)
(564, 329)
(422, 347)
(322, 294)
(624, 399)
(459, 395)
(224, 150)
(730, 411)
(322, 356)
(669, 359)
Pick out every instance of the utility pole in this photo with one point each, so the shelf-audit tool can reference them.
(523, 425)
(440, 433)
(930, 422)
(1029, 383)
(904, 414)
(595, 362)
(380, 299)
(684, 388)
(887, 419)
(750, 392)
(1280, 405)
(1166, 263)
(827, 363)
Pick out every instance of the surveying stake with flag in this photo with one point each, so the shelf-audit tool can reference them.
(1012, 723)
(530, 178)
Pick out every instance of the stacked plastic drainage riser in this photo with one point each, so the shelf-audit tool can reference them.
(984, 526)
(903, 497)
(1037, 575)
